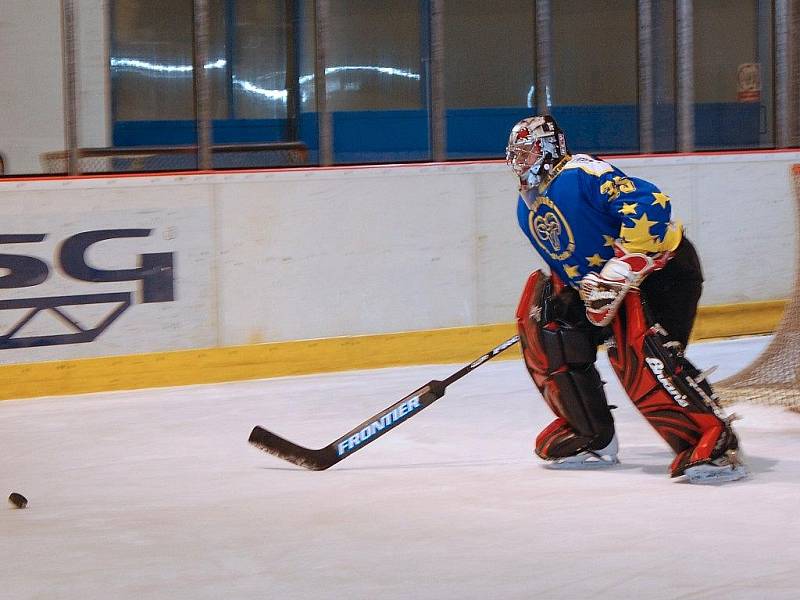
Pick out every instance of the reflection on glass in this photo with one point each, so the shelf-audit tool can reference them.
(663, 72)
(490, 73)
(376, 87)
(376, 47)
(595, 73)
(732, 84)
(489, 53)
(594, 65)
(120, 65)
(151, 58)
(256, 44)
(377, 73)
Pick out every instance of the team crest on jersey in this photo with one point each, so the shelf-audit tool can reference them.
(550, 229)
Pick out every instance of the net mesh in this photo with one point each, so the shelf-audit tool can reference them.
(774, 376)
(127, 160)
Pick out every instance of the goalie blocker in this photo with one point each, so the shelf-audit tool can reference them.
(559, 348)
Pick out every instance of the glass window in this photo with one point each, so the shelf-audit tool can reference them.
(153, 83)
(151, 64)
(258, 59)
(663, 72)
(374, 55)
(489, 73)
(732, 74)
(374, 81)
(377, 77)
(31, 98)
(594, 74)
(249, 92)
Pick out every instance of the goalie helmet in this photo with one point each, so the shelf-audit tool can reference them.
(535, 145)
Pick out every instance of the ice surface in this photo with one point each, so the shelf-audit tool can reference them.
(156, 494)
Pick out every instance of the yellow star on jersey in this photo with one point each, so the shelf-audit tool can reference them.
(628, 209)
(571, 271)
(660, 199)
(595, 260)
(608, 241)
(638, 238)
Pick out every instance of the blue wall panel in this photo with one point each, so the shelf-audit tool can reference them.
(402, 135)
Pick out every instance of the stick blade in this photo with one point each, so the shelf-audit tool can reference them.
(271, 443)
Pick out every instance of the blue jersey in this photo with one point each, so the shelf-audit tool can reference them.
(587, 204)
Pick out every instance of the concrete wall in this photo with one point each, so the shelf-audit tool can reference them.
(313, 253)
(31, 102)
(31, 95)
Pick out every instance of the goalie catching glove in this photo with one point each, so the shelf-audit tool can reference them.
(602, 292)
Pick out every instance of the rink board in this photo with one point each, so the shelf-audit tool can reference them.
(214, 365)
(133, 270)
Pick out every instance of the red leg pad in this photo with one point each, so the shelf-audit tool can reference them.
(657, 382)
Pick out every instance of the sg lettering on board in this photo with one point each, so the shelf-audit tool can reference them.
(154, 277)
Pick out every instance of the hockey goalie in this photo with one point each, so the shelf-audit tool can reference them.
(624, 274)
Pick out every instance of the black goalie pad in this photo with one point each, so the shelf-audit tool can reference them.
(560, 355)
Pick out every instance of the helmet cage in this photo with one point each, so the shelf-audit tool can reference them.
(521, 157)
(535, 145)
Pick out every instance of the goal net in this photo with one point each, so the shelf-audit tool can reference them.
(774, 376)
(176, 158)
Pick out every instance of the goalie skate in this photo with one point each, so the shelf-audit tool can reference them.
(728, 467)
(588, 459)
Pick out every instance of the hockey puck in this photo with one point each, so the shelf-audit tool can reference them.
(18, 500)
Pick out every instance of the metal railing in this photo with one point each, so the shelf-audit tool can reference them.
(174, 158)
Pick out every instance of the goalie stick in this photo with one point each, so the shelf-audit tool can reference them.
(371, 429)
